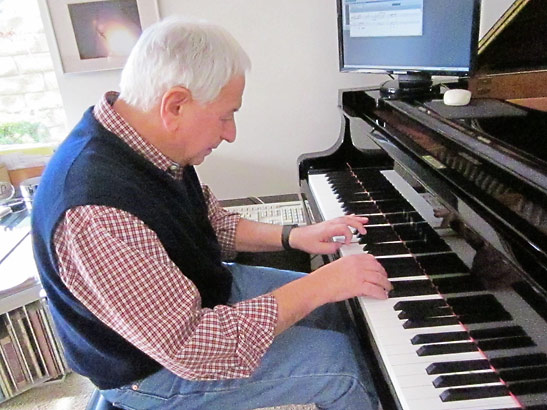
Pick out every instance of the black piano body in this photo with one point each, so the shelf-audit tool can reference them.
(469, 313)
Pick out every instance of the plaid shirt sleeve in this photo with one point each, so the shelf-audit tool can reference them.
(224, 223)
(118, 269)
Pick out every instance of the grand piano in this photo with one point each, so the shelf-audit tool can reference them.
(457, 204)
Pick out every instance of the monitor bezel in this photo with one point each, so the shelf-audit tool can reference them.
(433, 72)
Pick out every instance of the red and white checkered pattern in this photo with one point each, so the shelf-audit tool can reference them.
(117, 267)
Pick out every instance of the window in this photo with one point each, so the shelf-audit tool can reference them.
(31, 110)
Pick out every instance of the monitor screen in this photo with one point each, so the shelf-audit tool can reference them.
(436, 37)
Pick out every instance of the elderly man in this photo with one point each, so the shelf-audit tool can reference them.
(131, 250)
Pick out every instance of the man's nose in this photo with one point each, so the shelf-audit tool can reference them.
(229, 133)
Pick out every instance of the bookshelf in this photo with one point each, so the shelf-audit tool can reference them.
(29, 351)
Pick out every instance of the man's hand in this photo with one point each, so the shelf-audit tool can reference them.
(318, 238)
(351, 276)
(347, 277)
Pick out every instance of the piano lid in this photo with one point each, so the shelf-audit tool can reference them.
(512, 55)
(517, 42)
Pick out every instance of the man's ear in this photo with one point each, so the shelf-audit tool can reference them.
(172, 107)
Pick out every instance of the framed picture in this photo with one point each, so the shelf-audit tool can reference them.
(94, 35)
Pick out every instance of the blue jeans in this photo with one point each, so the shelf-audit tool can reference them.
(315, 361)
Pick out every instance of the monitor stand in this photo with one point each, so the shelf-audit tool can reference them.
(410, 85)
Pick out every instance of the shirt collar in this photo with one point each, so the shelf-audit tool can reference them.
(113, 122)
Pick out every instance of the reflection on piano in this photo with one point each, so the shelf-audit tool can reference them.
(466, 323)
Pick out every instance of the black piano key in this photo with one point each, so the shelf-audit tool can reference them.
(478, 309)
(345, 191)
(469, 309)
(404, 217)
(354, 196)
(380, 195)
(417, 231)
(410, 231)
(478, 301)
(373, 179)
(445, 263)
(484, 317)
(420, 247)
(458, 284)
(506, 343)
(418, 305)
(434, 312)
(465, 379)
(386, 249)
(472, 393)
(439, 337)
(394, 205)
(460, 366)
(401, 267)
(524, 373)
(411, 288)
(519, 361)
(494, 332)
(377, 219)
(361, 208)
(377, 184)
(430, 322)
(446, 348)
(346, 186)
(528, 387)
(378, 234)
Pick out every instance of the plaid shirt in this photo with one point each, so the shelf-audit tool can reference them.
(117, 267)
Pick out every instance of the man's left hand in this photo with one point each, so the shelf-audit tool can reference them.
(319, 238)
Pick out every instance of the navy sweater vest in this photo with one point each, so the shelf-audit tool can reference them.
(94, 167)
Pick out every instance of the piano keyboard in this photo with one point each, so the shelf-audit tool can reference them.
(445, 341)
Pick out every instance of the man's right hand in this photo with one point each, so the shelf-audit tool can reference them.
(347, 277)
(351, 276)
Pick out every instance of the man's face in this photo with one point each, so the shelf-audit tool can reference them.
(205, 126)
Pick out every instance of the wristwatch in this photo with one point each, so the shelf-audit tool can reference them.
(285, 233)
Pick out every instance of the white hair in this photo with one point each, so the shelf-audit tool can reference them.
(177, 51)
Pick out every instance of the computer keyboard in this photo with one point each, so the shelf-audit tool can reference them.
(281, 213)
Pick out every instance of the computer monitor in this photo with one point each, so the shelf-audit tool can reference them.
(414, 39)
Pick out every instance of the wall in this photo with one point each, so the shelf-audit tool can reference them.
(290, 102)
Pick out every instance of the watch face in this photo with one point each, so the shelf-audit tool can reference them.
(6, 191)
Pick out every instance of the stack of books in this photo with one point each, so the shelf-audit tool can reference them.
(29, 351)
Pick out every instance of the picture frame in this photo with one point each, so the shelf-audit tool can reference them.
(93, 35)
